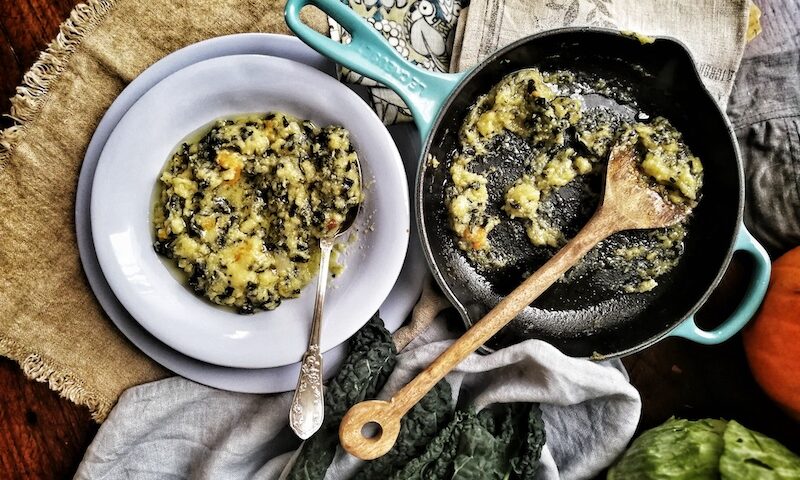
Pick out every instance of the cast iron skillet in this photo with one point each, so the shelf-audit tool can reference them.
(585, 315)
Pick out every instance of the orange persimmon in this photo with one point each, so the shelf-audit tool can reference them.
(772, 340)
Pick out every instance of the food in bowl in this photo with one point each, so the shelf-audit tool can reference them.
(242, 207)
(564, 140)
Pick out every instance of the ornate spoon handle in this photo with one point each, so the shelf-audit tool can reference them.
(307, 409)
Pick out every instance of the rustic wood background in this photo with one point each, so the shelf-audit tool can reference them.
(43, 436)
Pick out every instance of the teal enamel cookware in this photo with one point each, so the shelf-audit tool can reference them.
(581, 316)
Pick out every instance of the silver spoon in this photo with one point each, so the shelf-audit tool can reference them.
(307, 409)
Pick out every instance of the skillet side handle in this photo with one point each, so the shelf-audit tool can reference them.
(749, 304)
(369, 54)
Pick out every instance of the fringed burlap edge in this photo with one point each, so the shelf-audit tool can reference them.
(31, 95)
(40, 368)
(25, 106)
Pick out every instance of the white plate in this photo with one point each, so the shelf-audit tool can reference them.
(136, 152)
(265, 380)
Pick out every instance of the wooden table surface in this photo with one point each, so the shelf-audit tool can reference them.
(43, 436)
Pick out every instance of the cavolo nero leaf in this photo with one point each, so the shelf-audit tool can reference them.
(316, 455)
(370, 360)
(417, 428)
(437, 459)
(525, 462)
(504, 441)
(479, 455)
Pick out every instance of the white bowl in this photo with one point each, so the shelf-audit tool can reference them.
(145, 283)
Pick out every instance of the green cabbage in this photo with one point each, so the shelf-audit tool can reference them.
(677, 449)
(748, 455)
(705, 449)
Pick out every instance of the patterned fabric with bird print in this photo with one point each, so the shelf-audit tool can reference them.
(422, 31)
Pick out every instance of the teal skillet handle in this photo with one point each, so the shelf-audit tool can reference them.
(370, 55)
(749, 304)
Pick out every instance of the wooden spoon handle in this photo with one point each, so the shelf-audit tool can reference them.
(387, 415)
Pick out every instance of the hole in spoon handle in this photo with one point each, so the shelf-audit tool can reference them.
(369, 429)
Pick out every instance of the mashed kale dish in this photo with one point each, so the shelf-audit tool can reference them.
(242, 207)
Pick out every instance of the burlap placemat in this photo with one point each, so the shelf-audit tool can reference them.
(50, 321)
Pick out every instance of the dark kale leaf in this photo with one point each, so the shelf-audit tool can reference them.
(437, 460)
(370, 360)
(525, 462)
(519, 431)
(504, 441)
(417, 429)
(316, 454)
(369, 363)
(479, 454)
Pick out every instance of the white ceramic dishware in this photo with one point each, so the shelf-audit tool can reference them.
(121, 209)
(394, 309)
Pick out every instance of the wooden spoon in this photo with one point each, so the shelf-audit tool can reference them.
(628, 203)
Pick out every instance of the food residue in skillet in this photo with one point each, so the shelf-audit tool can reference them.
(242, 208)
(642, 38)
(540, 109)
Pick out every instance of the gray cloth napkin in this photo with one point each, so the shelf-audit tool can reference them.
(175, 428)
(765, 112)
